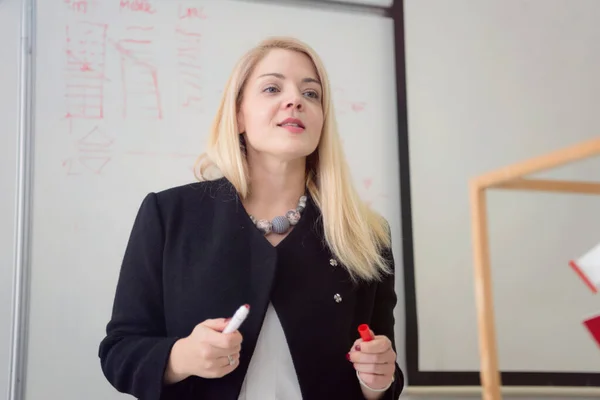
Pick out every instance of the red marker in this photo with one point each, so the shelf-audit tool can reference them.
(365, 332)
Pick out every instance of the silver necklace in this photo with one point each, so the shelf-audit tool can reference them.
(281, 224)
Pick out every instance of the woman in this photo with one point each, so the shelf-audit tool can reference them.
(281, 229)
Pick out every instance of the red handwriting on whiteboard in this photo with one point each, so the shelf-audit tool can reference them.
(191, 12)
(78, 6)
(93, 150)
(85, 58)
(371, 196)
(161, 154)
(344, 104)
(188, 62)
(143, 6)
(185, 160)
(141, 93)
(357, 106)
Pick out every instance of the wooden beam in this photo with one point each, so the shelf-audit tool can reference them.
(490, 375)
(550, 185)
(511, 177)
(555, 159)
(462, 392)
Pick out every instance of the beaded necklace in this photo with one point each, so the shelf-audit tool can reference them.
(281, 224)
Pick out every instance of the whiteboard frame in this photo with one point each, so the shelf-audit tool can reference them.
(21, 265)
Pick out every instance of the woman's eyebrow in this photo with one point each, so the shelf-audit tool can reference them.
(281, 76)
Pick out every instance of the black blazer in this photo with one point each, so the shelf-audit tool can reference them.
(194, 254)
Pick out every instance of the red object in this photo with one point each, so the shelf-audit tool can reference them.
(365, 332)
(583, 276)
(593, 325)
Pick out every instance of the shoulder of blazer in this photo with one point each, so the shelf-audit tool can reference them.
(196, 189)
(204, 194)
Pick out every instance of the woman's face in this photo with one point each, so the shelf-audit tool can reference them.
(281, 111)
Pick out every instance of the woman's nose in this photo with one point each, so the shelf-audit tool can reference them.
(294, 104)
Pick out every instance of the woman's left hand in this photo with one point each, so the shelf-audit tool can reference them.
(375, 361)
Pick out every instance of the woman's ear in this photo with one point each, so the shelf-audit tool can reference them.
(242, 139)
(240, 122)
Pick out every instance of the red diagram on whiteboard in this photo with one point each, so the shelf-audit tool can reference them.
(78, 6)
(142, 6)
(141, 94)
(85, 164)
(371, 195)
(344, 104)
(85, 60)
(95, 140)
(169, 159)
(93, 151)
(188, 63)
(191, 12)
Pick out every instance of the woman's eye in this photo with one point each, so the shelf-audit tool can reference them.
(270, 89)
(312, 94)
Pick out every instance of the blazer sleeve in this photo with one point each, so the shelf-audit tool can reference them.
(135, 350)
(383, 321)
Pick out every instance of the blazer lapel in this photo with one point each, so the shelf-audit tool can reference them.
(256, 276)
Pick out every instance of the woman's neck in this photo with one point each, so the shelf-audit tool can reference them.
(275, 188)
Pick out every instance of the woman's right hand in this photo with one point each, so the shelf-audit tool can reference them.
(204, 352)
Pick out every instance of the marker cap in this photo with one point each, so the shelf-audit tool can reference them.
(365, 332)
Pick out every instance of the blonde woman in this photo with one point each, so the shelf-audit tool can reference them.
(280, 228)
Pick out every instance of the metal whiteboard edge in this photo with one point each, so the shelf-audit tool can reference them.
(329, 5)
(506, 390)
(22, 209)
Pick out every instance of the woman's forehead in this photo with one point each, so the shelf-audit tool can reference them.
(284, 64)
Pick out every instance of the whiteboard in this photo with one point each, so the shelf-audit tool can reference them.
(491, 84)
(125, 95)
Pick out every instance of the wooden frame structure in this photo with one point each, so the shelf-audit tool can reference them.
(512, 177)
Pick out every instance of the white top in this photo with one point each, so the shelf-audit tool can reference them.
(271, 374)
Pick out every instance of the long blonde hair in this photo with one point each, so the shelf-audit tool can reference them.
(355, 234)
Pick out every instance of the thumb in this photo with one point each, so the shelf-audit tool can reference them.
(217, 324)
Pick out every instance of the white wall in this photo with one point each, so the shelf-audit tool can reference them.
(9, 100)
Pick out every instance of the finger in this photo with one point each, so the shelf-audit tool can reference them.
(220, 367)
(226, 341)
(217, 324)
(227, 369)
(217, 352)
(370, 358)
(375, 381)
(380, 344)
(358, 342)
(358, 357)
(223, 362)
(376, 369)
